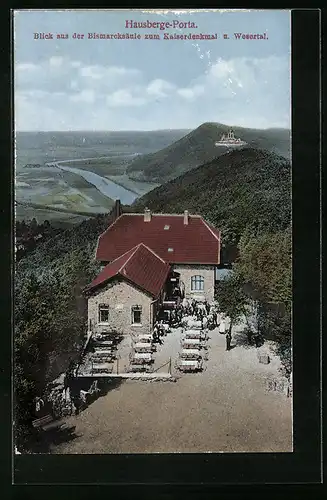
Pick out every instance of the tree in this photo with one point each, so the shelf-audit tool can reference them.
(231, 298)
(265, 266)
(265, 262)
(34, 332)
(33, 226)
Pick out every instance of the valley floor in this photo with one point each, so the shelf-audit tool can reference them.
(226, 408)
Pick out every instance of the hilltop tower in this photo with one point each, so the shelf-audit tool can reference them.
(230, 140)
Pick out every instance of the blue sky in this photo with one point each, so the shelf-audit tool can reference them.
(88, 84)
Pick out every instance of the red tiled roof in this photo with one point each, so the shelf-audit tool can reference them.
(196, 242)
(141, 266)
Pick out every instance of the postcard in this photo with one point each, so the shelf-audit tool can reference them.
(153, 257)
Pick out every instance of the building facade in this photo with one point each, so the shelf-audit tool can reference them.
(198, 281)
(122, 307)
(147, 259)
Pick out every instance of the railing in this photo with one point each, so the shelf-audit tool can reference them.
(165, 364)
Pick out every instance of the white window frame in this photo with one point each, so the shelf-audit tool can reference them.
(103, 307)
(197, 283)
(136, 308)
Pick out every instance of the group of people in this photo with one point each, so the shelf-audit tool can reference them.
(159, 331)
(200, 311)
(207, 314)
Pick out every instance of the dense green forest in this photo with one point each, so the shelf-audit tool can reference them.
(198, 147)
(50, 313)
(246, 189)
(245, 193)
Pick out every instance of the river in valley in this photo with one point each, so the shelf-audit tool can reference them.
(105, 186)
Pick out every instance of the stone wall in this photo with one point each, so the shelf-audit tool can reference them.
(208, 273)
(121, 296)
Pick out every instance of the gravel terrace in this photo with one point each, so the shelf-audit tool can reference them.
(226, 408)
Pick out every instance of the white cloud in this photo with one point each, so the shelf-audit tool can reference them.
(191, 92)
(252, 92)
(221, 69)
(124, 97)
(86, 95)
(32, 94)
(97, 72)
(238, 78)
(159, 88)
(94, 72)
(74, 84)
(56, 61)
(26, 67)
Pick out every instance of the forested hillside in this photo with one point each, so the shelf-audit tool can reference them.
(198, 147)
(244, 189)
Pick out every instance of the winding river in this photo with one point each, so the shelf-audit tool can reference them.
(105, 186)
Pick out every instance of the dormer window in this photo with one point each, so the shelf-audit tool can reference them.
(170, 249)
(166, 227)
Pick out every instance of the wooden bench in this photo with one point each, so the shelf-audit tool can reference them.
(40, 422)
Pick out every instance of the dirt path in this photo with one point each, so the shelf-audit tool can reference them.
(226, 408)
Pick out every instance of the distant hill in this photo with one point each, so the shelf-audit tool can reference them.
(198, 147)
(246, 189)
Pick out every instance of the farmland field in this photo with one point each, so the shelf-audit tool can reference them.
(106, 154)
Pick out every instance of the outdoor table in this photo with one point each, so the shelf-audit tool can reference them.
(100, 357)
(192, 343)
(189, 365)
(140, 361)
(104, 348)
(104, 342)
(139, 368)
(195, 334)
(193, 325)
(144, 338)
(143, 355)
(143, 347)
(102, 352)
(190, 353)
(101, 368)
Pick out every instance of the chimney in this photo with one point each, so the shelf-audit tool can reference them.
(186, 217)
(147, 215)
(118, 210)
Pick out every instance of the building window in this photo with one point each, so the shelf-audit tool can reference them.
(103, 313)
(197, 283)
(136, 315)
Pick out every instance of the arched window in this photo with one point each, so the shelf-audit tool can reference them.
(197, 283)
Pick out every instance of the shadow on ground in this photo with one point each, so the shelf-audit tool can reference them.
(104, 386)
(55, 434)
(58, 431)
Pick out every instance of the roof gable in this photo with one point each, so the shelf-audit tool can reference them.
(166, 234)
(140, 266)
